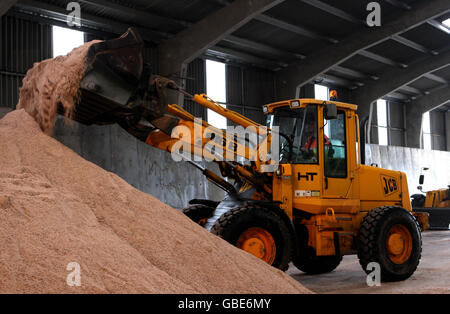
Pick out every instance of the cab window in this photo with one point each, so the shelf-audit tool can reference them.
(335, 150)
(300, 126)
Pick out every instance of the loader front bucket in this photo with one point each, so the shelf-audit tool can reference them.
(113, 72)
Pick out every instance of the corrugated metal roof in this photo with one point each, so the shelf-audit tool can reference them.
(396, 51)
(275, 43)
(444, 73)
(279, 38)
(322, 22)
(424, 84)
(188, 10)
(421, 35)
(364, 64)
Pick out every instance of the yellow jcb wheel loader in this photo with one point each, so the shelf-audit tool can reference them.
(436, 203)
(320, 203)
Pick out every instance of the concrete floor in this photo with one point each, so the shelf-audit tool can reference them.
(432, 275)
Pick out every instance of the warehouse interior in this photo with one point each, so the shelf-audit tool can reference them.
(246, 54)
(269, 56)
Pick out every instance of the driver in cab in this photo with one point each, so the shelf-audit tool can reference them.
(309, 149)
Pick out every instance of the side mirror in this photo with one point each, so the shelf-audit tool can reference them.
(421, 179)
(330, 111)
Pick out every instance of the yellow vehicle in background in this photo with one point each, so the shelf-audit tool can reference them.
(320, 203)
(436, 203)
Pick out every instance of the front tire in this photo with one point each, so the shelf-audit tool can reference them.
(390, 236)
(258, 231)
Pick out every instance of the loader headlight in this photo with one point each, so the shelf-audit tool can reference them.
(295, 104)
(284, 171)
(279, 171)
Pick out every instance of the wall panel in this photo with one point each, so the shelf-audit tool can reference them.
(22, 44)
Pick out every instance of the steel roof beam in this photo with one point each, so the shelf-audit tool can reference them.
(354, 73)
(227, 53)
(435, 78)
(398, 95)
(233, 39)
(411, 44)
(433, 100)
(439, 26)
(411, 90)
(45, 20)
(104, 26)
(294, 28)
(399, 4)
(149, 16)
(87, 20)
(334, 80)
(350, 18)
(262, 47)
(397, 78)
(195, 40)
(142, 15)
(289, 80)
(108, 5)
(332, 10)
(5, 5)
(286, 26)
(381, 59)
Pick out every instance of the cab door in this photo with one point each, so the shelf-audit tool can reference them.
(335, 157)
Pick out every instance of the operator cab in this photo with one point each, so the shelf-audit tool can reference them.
(319, 149)
(298, 121)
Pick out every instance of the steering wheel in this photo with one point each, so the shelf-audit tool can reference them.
(285, 149)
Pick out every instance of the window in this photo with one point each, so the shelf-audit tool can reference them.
(446, 22)
(335, 152)
(65, 40)
(321, 92)
(426, 130)
(444, 26)
(217, 90)
(300, 125)
(382, 122)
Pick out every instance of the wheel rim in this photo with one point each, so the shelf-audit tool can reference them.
(258, 242)
(399, 244)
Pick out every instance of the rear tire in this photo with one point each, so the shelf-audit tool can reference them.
(312, 264)
(259, 231)
(199, 213)
(390, 236)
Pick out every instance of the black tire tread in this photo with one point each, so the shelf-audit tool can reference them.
(233, 216)
(315, 265)
(367, 239)
(198, 212)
